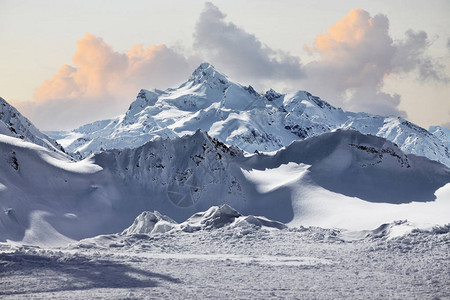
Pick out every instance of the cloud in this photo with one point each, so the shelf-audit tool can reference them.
(350, 65)
(101, 82)
(410, 54)
(357, 54)
(240, 53)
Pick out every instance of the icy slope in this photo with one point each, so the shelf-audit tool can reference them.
(12, 123)
(356, 165)
(339, 179)
(238, 115)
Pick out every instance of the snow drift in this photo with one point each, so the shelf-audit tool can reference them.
(213, 218)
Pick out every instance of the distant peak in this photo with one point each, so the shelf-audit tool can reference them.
(207, 73)
(272, 95)
(205, 65)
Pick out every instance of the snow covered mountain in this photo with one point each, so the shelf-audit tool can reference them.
(339, 179)
(238, 115)
(12, 123)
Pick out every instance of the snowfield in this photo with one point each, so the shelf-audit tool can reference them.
(238, 263)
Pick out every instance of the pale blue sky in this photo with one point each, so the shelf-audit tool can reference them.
(38, 37)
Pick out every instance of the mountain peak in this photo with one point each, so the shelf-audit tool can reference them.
(207, 73)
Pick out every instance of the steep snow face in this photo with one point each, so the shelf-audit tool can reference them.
(238, 115)
(338, 179)
(12, 123)
(184, 175)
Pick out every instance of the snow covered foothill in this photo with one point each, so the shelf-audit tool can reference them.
(238, 115)
(341, 179)
(41, 188)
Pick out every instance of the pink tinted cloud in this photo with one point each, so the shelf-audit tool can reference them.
(357, 54)
(102, 82)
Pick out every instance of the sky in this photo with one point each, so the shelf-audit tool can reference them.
(66, 63)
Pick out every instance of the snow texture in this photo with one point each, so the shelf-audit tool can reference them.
(305, 263)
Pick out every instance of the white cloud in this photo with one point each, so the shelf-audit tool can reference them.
(241, 54)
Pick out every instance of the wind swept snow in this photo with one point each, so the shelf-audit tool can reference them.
(41, 233)
(270, 179)
(300, 262)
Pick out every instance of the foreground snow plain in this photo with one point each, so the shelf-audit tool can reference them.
(235, 262)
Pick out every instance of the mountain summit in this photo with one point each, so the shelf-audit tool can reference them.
(240, 116)
(207, 73)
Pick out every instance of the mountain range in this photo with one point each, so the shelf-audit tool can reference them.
(291, 158)
(238, 115)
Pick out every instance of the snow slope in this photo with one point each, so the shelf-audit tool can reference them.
(238, 115)
(340, 179)
(12, 123)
